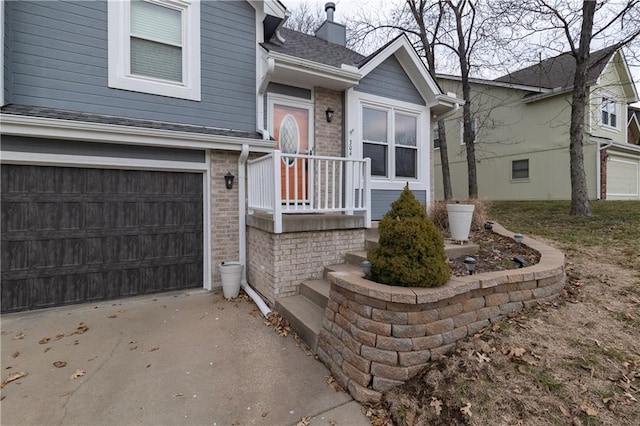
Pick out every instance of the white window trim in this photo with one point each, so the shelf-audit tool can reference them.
(528, 178)
(391, 111)
(292, 101)
(354, 147)
(119, 47)
(474, 122)
(612, 98)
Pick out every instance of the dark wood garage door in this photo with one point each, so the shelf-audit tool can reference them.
(72, 235)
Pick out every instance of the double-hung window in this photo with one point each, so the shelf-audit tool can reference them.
(520, 169)
(154, 47)
(390, 139)
(609, 112)
(474, 131)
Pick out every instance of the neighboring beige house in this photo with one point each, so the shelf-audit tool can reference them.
(522, 121)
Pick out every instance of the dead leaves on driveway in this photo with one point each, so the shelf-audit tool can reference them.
(13, 377)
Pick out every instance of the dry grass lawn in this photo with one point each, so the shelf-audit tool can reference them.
(575, 361)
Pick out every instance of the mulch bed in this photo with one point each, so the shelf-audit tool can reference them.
(496, 254)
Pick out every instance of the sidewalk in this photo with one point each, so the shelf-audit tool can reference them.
(171, 359)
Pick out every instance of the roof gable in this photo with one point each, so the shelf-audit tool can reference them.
(413, 66)
(558, 72)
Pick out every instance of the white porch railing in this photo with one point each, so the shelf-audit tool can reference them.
(297, 183)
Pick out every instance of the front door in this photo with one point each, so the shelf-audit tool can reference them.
(291, 131)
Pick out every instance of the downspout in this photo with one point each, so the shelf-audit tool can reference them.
(242, 231)
(271, 64)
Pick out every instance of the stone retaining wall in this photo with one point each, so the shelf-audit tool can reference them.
(376, 336)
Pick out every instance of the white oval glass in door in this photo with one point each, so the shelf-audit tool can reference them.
(291, 131)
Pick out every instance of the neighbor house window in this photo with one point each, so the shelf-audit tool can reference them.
(520, 169)
(154, 47)
(436, 137)
(474, 127)
(609, 113)
(390, 139)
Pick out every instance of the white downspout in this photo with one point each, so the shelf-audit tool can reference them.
(242, 231)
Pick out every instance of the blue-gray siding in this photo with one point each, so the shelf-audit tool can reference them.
(59, 60)
(7, 51)
(381, 200)
(47, 146)
(390, 81)
(283, 89)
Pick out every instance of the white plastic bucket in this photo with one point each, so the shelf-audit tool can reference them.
(460, 217)
(231, 275)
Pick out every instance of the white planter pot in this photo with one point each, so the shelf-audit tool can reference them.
(231, 274)
(460, 218)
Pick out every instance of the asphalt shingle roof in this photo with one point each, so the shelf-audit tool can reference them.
(314, 49)
(558, 72)
(60, 114)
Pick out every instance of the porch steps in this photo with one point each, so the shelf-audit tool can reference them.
(305, 311)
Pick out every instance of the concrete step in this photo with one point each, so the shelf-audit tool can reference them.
(372, 232)
(304, 316)
(371, 243)
(452, 250)
(316, 291)
(342, 267)
(355, 258)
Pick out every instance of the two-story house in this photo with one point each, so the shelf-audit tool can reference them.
(146, 141)
(521, 124)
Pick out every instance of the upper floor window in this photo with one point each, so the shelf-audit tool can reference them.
(390, 138)
(154, 47)
(609, 112)
(474, 133)
(436, 137)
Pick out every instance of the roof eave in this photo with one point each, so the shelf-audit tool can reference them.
(30, 126)
(306, 72)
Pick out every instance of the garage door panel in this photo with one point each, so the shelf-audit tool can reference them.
(623, 178)
(68, 247)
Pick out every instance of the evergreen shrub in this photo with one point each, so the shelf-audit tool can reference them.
(410, 252)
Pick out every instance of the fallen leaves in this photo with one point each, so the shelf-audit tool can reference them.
(78, 373)
(333, 384)
(304, 421)
(13, 377)
(81, 329)
(60, 364)
(18, 336)
(16, 354)
(133, 345)
(279, 324)
(587, 407)
(436, 404)
(466, 410)
(44, 340)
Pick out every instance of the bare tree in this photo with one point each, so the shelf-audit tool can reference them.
(577, 28)
(305, 19)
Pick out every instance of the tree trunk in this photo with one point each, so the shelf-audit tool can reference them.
(444, 160)
(579, 193)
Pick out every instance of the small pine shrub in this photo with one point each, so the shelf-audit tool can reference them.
(410, 252)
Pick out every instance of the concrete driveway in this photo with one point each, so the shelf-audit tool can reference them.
(187, 358)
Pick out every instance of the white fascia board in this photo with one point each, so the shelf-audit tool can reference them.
(495, 83)
(305, 66)
(270, 7)
(552, 93)
(109, 133)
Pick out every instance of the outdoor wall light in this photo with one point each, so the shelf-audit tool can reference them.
(521, 261)
(518, 238)
(329, 113)
(366, 267)
(470, 264)
(228, 180)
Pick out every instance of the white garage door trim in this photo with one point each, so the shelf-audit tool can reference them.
(63, 160)
(629, 165)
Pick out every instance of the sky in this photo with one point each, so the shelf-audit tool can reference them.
(350, 8)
